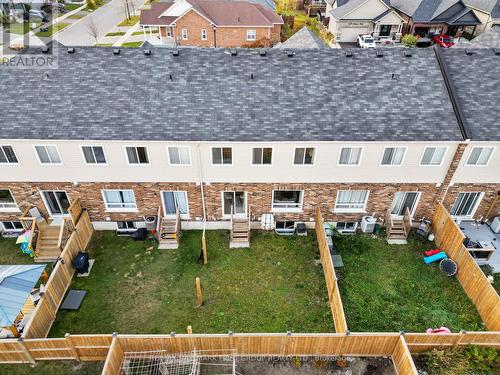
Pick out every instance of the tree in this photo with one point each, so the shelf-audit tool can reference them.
(93, 29)
(409, 40)
(285, 6)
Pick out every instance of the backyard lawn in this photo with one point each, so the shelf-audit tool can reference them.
(10, 253)
(389, 288)
(53, 368)
(275, 286)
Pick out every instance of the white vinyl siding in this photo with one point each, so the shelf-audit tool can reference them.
(351, 200)
(94, 154)
(433, 156)
(262, 156)
(393, 156)
(48, 154)
(479, 156)
(222, 155)
(304, 156)
(350, 156)
(287, 200)
(179, 155)
(123, 200)
(7, 155)
(137, 155)
(466, 203)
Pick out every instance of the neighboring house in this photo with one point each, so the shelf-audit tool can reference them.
(427, 17)
(216, 129)
(488, 12)
(211, 23)
(488, 39)
(350, 18)
(302, 39)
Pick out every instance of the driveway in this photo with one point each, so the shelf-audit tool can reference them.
(349, 45)
(104, 19)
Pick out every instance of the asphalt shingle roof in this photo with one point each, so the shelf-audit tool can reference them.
(316, 95)
(476, 79)
(304, 38)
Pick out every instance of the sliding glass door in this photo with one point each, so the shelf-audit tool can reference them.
(235, 202)
(57, 202)
(402, 201)
(173, 201)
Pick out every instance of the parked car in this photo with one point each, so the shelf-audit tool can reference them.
(50, 7)
(38, 14)
(366, 41)
(443, 40)
(423, 43)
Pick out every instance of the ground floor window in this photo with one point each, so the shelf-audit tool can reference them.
(12, 225)
(403, 200)
(234, 202)
(7, 202)
(126, 226)
(346, 226)
(351, 200)
(287, 199)
(175, 200)
(119, 199)
(466, 203)
(57, 202)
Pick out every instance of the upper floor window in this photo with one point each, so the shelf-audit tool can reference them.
(262, 156)
(251, 35)
(393, 156)
(350, 156)
(7, 155)
(48, 154)
(287, 200)
(179, 155)
(304, 156)
(137, 155)
(480, 156)
(222, 155)
(203, 34)
(184, 34)
(94, 154)
(351, 200)
(7, 202)
(433, 156)
(119, 199)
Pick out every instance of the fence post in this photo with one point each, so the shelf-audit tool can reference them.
(26, 351)
(67, 336)
(459, 339)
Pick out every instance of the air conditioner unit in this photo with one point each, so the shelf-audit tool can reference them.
(495, 225)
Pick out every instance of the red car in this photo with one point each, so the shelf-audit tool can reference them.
(443, 40)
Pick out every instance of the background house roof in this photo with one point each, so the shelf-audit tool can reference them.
(152, 16)
(476, 79)
(302, 39)
(484, 5)
(316, 95)
(428, 10)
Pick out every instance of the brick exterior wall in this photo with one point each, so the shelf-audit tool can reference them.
(490, 192)
(225, 36)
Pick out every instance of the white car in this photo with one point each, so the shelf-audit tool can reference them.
(366, 41)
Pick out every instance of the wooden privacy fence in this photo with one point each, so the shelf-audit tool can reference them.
(330, 276)
(449, 238)
(59, 280)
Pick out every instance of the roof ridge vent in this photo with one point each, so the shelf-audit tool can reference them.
(496, 51)
(71, 50)
(175, 52)
(348, 53)
(290, 53)
(469, 52)
(407, 53)
(147, 52)
(379, 53)
(233, 52)
(262, 52)
(116, 51)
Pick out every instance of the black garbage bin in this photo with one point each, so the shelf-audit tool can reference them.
(81, 262)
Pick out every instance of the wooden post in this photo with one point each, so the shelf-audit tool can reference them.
(204, 248)
(26, 351)
(460, 337)
(67, 336)
(189, 330)
(199, 296)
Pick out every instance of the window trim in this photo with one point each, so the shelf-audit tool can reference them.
(226, 216)
(262, 165)
(15, 154)
(394, 165)
(3, 229)
(479, 165)
(184, 34)
(203, 31)
(180, 164)
(362, 149)
(114, 209)
(299, 209)
(183, 216)
(222, 157)
(254, 32)
(51, 214)
(92, 146)
(136, 164)
(353, 210)
(474, 209)
(433, 165)
(40, 160)
(11, 209)
(305, 165)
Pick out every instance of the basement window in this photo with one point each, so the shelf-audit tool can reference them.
(346, 226)
(285, 228)
(125, 227)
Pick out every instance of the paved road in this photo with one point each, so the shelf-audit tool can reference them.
(105, 18)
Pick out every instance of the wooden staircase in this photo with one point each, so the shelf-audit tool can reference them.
(168, 231)
(240, 231)
(398, 229)
(47, 245)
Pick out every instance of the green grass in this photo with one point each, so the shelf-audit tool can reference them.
(77, 15)
(129, 22)
(155, 31)
(53, 29)
(132, 44)
(274, 286)
(117, 33)
(103, 45)
(10, 253)
(389, 288)
(21, 28)
(53, 368)
(71, 7)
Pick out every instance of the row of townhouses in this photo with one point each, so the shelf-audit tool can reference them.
(215, 132)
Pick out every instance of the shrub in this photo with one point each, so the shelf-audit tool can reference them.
(409, 40)
(472, 360)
